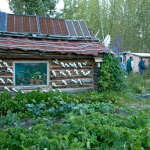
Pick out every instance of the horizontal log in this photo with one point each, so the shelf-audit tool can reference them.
(72, 74)
(7, 77)
(71, 69)
(71, 90)
(77, 90)
(30, 87)
(70, 61)
(6, 74)
(42, 56)
(61, 77)
(43, 53)
(4, 69)
(76, 60)
(69, 81)
(89, 63)
(74, 77)
(60, 67)
(9, 64)
(72, 86)
(7, 85)
(10, 77)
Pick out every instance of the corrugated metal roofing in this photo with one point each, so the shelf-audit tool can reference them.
(44, 45)
(141, 54)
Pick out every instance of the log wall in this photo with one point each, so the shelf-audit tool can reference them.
(89, 82)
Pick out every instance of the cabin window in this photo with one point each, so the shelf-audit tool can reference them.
(31, 73)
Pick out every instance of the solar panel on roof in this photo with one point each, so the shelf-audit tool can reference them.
(18, 24)
(50, 27)
(2, 21)
(33, 25)
(26, 25)
(57, 27)
(43, 25)
(36, 24)
(78, 28)
(71, 28)
(63, 27)
(53, 26)
(10, 23)
(84, 28)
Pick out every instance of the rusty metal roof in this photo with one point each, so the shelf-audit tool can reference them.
(45, 45)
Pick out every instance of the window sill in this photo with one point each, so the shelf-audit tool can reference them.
(30, 87)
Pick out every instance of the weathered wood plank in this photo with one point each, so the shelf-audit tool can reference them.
(68, 77)
(72, 70)
(71, 90)
(30, 87)
(9, 64)
(5, 85)
(69, 81)
(6, 77)
(40, 56)
(89, 63)
(6, 74)
(77, 90)
(72, 86)
(60, 67)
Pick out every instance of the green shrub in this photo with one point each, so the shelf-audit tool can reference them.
(111, 74)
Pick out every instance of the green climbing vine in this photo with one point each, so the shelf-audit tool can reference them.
(111, 74)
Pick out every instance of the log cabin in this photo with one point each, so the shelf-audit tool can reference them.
(49, 54)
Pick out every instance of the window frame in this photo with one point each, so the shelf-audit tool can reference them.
(27, 86)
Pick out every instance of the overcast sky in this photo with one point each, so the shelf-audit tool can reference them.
(4, 7)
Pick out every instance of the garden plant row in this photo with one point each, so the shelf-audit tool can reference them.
(88, 121)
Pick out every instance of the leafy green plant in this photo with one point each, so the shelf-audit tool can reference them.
(35, 109)
(43, 120)
(83, 130)
(102, 107)
(37, 75)
(62, 109)
(111, 74)
(10, 119)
